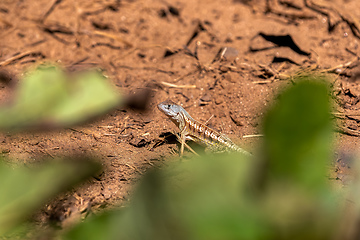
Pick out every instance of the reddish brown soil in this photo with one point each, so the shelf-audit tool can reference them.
(148, 43)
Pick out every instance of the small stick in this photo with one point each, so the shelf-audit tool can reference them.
(345, 114)
(112, 36)
(45, 151)
(344, 65)
(51, 9)
(253, 135)
(347, 131)
(11, 59)
(134, 168)
(209, 119)
(183, 143)
(264, 82)
(177, 86)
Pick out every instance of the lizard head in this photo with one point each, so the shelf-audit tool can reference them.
(172, 110)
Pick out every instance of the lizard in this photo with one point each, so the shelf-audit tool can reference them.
(191, 129)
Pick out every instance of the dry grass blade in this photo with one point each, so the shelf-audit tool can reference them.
(16, 57)
(253, 135)
(177, 86)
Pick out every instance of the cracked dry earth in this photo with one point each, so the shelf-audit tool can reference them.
(225, 59)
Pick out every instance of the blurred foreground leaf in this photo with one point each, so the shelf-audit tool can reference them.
(207, 198)
(23, 190)
(91, 94)
(47, 97)
(282, 195)
(298, 134)
(298, 151)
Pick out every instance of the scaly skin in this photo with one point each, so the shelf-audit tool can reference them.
(190, 129)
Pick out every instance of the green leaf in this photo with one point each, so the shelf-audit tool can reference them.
(23, 190)
(36, 93)
(298, 134)
(108, 225)
(206, 198)
(90, 94)
(47, 97)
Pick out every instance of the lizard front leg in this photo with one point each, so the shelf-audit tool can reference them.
(182, 138)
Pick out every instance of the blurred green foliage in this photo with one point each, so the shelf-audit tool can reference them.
(24, 189)
(48, 97)
(281, 193)
(298, 133)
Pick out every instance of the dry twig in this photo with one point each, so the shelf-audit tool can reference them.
(177, 86)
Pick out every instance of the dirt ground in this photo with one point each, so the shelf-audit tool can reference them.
(225, 58)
